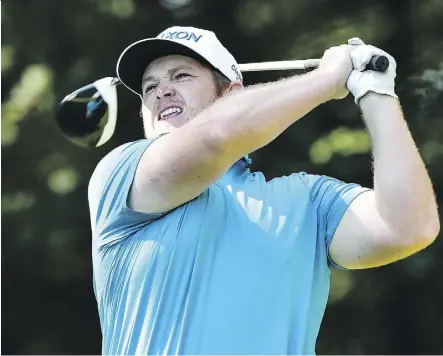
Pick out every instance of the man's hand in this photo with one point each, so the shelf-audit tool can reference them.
(361, 82)
(337, 64)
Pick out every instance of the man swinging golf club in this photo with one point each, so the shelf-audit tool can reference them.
(195, 254)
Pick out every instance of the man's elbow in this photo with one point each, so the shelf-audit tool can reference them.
(427, 233)
(432, 229)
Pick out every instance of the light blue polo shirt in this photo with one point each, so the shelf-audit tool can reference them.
(241, 269)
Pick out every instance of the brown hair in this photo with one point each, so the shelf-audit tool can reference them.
(221, 82)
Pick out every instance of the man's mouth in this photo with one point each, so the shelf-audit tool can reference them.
(169, 112)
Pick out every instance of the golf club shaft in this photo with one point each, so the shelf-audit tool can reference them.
(377, 63)
(279, 65)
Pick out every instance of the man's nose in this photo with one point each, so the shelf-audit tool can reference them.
(164, 90)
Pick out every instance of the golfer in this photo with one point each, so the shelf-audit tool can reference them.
(193, 253)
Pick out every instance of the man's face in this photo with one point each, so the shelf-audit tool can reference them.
(175, 89)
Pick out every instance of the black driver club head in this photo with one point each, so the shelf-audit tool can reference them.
(87, 117)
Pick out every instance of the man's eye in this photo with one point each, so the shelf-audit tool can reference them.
(182, 75)
(150, 88)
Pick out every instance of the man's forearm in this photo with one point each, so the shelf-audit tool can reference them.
(404, 192)
(250, 119)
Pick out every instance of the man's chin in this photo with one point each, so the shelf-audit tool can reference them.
(177, 120)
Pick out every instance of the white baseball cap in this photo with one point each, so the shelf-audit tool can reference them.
(192, 42)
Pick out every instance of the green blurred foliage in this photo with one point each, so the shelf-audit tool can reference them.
(50, 48)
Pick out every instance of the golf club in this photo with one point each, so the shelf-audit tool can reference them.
(88, 116)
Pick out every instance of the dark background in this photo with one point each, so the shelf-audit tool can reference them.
(51, 47)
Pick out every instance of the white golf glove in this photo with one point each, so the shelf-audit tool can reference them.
(361, 82)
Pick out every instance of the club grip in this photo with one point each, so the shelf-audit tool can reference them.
(378, 64)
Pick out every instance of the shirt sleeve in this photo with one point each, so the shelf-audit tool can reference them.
(331, 197)
(111, 218)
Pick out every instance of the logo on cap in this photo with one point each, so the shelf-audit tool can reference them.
(181, 35)
(237, 72)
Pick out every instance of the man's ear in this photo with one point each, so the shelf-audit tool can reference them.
(233, 87)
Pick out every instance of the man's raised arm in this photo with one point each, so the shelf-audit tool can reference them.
(179, 166)
(400, 216)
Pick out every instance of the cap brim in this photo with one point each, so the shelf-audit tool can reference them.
(135, 58)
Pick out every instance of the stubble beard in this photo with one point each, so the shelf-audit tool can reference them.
(197, 110)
